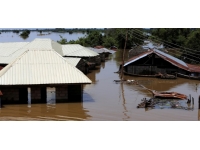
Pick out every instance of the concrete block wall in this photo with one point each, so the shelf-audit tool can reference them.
(35, 93)
(10, 94)
(61, 93)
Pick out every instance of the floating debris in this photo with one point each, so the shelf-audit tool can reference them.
(156, 103)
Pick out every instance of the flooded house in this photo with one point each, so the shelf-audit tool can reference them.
(39, 76)
(77, 51)
(79, 63)
(103, 52)
(154, 61)
(11, 50)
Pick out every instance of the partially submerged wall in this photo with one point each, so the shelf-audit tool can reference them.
(41, 94)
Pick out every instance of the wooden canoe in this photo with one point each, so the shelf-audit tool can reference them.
(169, 95)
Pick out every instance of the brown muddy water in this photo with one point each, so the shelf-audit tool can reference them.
(105, 100)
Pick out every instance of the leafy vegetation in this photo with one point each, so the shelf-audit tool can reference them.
(25, 34)
(185, 40)
(62, 40)
(110, 37)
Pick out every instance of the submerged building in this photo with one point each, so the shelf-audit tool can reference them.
(103, 52)
(37, 71)
(77, 51)
(154, 61)
(11, 50)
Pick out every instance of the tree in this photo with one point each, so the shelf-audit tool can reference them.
(62, 40)
(25, 34)
(119, 34)
(171, 37)
(109, 41)
(192, 53)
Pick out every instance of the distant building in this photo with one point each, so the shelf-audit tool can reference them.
(155, 61)
(78, 51)
(103, 52)
(11, 50)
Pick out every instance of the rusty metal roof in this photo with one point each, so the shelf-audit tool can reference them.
(171, 59)
(194, 68)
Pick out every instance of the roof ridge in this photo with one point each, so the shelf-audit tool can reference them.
(6, 68)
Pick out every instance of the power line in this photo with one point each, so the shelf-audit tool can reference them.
(180, 53)
(179, 49)
(170, 42)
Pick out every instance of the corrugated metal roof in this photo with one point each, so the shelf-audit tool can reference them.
(41, 67)
(45, 44)
(175, 61)
(194, 68)
(171, 57)
(102, 50)
(77, 50)
(135, 58)
(73, 61)
(99, 51)
(10, 51)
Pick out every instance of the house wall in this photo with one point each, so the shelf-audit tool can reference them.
(102, 56)
(151, 65)
(61, 93)
(11, 94)
(82, 66)
(148, 70)
(35, 93)
(96, 60)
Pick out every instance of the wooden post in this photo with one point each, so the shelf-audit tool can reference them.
(193, 100)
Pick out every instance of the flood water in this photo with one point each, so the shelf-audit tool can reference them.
(14, 37)
(105, 100)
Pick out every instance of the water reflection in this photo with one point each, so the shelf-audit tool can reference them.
(124, 103)
(61, 111)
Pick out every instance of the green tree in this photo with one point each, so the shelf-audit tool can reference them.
(62, 40)
(119, 34)
(109, 41)
(25, 34)
(171, 37)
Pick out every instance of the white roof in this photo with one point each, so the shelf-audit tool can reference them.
(137, 58)
(44, 44)
(73, 61)
(10, 51)
(102, 50)
(41, 67)
(77, 50)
